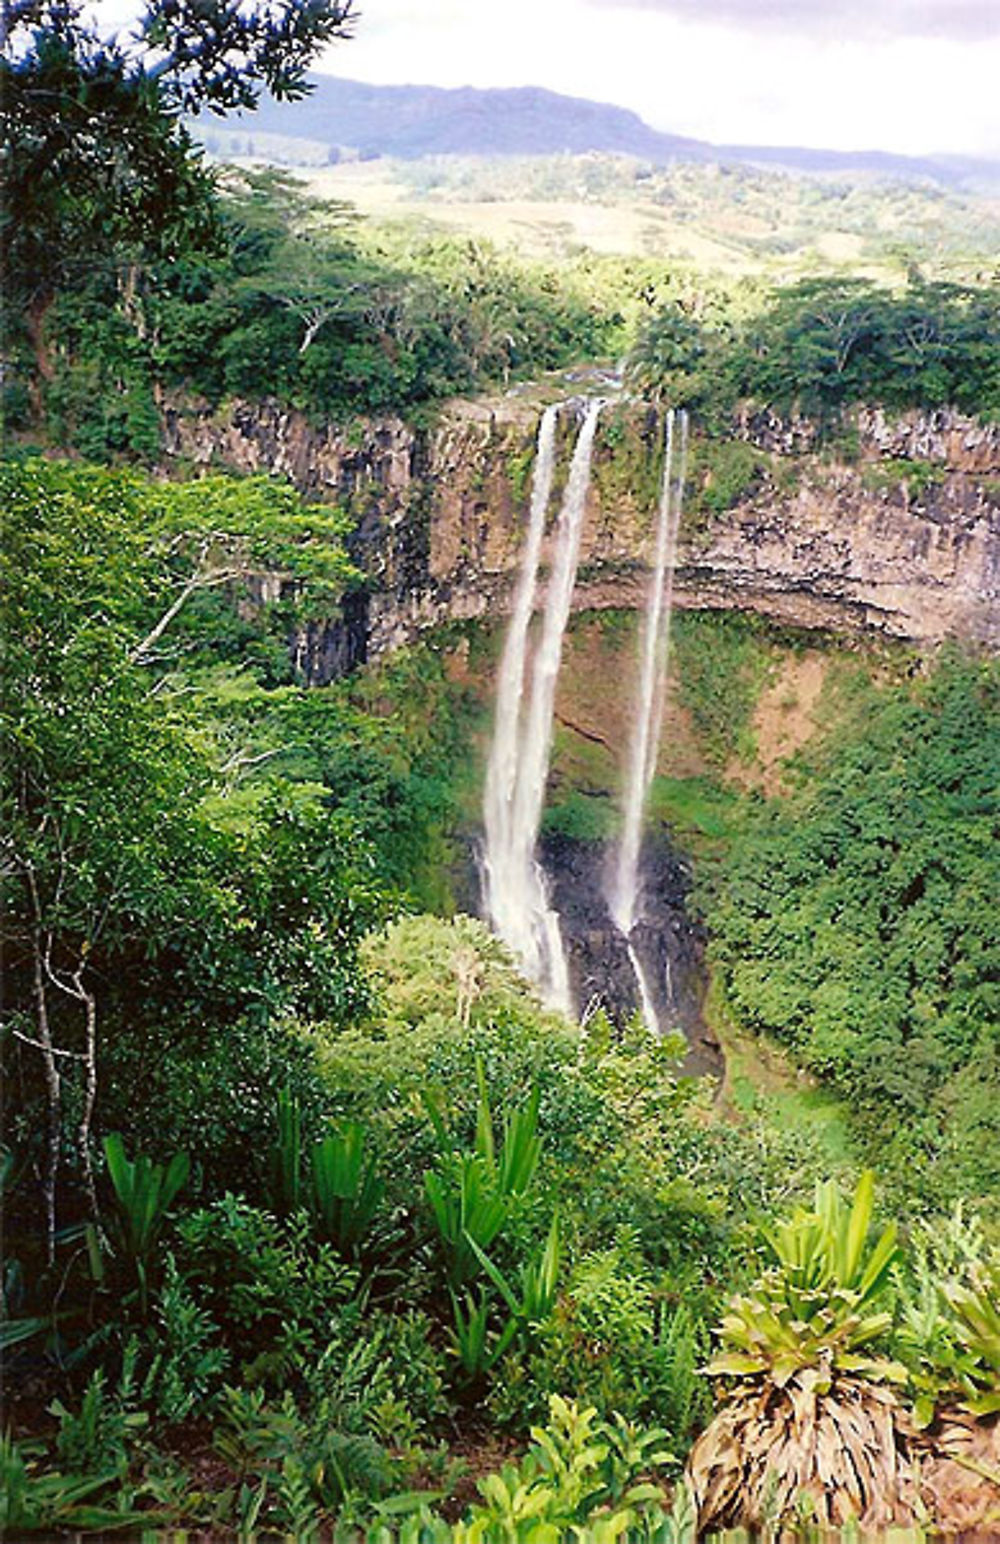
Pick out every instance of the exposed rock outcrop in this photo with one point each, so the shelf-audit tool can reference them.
(901, 539)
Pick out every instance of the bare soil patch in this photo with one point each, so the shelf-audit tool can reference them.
(786, 717)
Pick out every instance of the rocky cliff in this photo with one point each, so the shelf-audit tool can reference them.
(895, 533)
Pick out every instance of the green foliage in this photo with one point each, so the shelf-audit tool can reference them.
(613, 1340)
(851, 920)
(281, 1300)
(145, 1192)
(136, 883)
(529, 1305)
(299, 1468)
(949, 1332)
(184, 1094)
(429, 973)
(285, 1165)
(580, 1478)
(824, 343)
(38, 1502)
(293, 1316)
(180, 1357)
(580, 816)
(477, 1348)
(532, 1300)
(830, 342)
(98, 160)
(297, 301)
(391, 747)
(974, 1307)
(820, 1304)
(97, 1438)
(918, 477)
(721, 472)
(342, 1192)
(722, 664)
(346, 1191)
(473, 1195)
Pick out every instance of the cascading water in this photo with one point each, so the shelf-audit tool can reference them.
(516, 892)
(623, 895)
(510, 892)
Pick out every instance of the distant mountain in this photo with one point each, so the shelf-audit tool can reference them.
(413, 121)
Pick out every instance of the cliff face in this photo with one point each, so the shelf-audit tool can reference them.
(901, 539)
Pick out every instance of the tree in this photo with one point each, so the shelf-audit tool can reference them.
(97, 789)
(118, 880)
(854, 921)
(96, 157)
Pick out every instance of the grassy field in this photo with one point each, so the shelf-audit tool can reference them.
(734, 221)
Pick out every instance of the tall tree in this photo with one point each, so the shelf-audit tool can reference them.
(95, 153)
(110, 868)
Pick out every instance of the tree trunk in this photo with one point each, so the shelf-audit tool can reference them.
(54, 1090)
(36, 315)
(128, 288)
(89, 1094)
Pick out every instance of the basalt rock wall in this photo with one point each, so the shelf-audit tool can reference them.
(898, 534)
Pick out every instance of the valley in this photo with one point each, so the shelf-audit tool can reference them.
(500, 728)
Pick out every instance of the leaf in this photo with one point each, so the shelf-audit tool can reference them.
(735, 1363)
(857, 1227)
(13, 1331)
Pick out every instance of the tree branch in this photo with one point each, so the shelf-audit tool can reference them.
(240, 759)
(198, 581)
(40, 1045)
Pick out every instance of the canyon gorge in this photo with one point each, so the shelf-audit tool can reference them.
(888, 529)
(893, 530)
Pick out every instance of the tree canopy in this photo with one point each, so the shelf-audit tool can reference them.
(824, 343)
(95, 151)
(854, 920)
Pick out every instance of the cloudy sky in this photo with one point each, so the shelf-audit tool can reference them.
(904, 75)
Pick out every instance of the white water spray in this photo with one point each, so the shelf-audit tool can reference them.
(501, 771)
(516, 896)
(623, 898)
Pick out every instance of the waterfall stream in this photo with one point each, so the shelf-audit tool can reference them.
(623, 893)
(515, 888)
(505, 747)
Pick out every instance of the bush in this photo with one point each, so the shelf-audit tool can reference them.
(617, 1341)
(851, 920)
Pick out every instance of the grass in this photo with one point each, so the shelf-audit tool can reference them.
(885, 476)
(581, 816)
(700, 810)
(748, 222)
(763, 1081)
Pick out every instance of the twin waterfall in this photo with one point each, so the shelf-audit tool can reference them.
(516, 894)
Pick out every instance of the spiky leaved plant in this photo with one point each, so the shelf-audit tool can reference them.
(809, 1420)
(950, 1336)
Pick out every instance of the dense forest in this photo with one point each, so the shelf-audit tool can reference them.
(298, 300)
(317, 1222)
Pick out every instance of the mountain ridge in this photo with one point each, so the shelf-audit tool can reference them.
(407, 122)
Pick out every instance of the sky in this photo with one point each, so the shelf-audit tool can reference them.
(912, 76)
(904, 75)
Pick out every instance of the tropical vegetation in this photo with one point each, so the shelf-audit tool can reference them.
(316, 1221)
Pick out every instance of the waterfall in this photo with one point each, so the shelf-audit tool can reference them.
(516, 893)
(623, 898)
(512, 895)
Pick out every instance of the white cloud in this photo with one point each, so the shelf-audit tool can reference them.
(695, 76)
(732, 71)
(963, 20)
